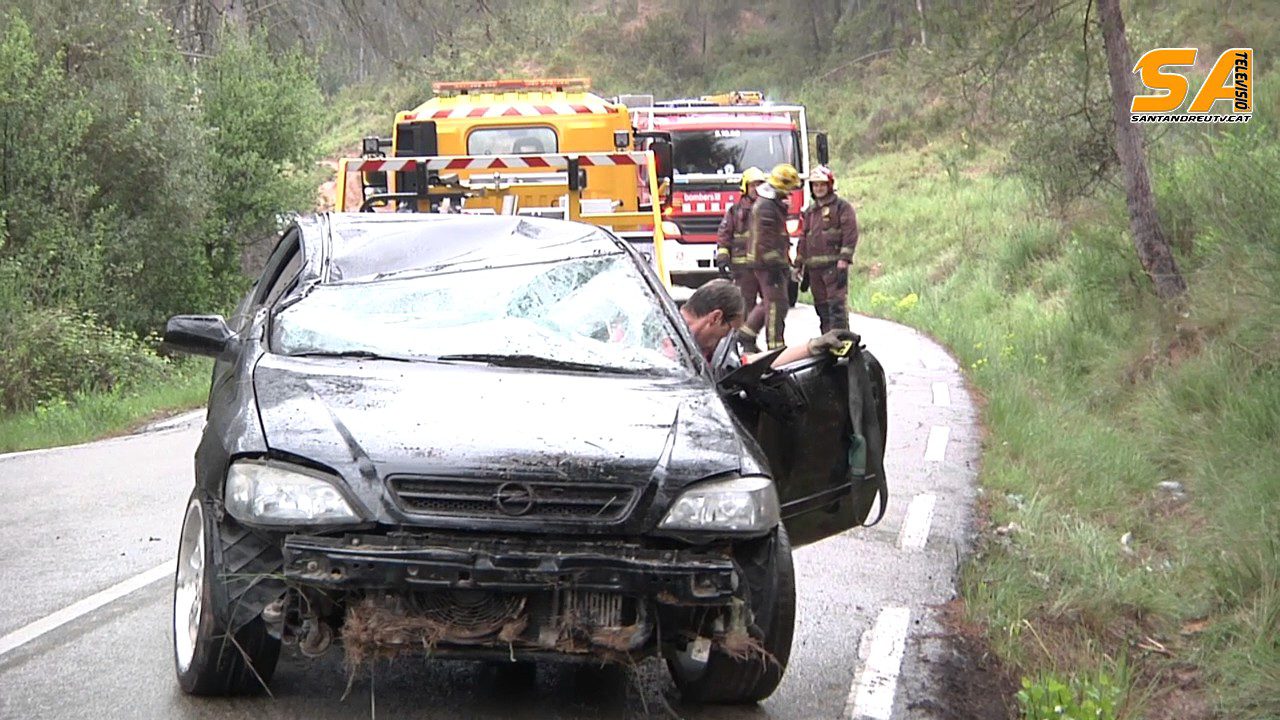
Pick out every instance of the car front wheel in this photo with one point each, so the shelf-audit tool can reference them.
(209, 660)
(750, 674)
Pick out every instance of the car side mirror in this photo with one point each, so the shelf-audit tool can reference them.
(824, 149)
(198, 334)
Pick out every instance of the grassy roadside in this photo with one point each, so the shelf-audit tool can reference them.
(1164, 599)
(93, 416)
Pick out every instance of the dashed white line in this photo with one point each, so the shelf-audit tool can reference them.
(873, 691)
(935, 450)
(27, 633)
(915, 527)
(941, 394)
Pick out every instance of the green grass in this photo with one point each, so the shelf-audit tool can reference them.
(359, 111)
(1093, 394)
(93, 416)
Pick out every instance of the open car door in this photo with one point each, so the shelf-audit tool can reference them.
(821, 422)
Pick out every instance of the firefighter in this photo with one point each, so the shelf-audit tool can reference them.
(768, 252)
(830, 236)
(731, 255)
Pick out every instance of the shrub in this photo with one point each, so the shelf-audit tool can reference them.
(50, 354)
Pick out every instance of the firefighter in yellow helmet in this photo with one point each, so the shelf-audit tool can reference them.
(768, 252)
(825, 251)
(731, 255)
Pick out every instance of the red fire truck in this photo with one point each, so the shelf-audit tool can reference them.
(715, 138)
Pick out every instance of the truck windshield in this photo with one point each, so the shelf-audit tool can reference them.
(726, 151)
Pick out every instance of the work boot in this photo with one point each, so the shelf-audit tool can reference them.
(824, 316)
(838, 312)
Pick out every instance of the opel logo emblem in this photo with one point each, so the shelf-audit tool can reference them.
(514, 498)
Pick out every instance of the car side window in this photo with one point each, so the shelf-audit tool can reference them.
(288, 273)
(281, 268)
(240, 317)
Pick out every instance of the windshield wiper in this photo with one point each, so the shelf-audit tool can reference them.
(360, 354)
(528, 361)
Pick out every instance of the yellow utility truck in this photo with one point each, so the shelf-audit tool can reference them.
(547, 147)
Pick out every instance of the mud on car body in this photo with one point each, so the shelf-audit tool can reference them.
(494, 437)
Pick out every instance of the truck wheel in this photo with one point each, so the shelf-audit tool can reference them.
(206, 659)
(793, 292)
(752, 676)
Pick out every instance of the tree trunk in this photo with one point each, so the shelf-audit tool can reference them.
(924, 41)
(1148, 238)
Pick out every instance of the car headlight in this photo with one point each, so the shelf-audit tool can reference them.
(745, 504)
(276, 493)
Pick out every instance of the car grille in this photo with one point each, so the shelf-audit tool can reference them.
(699, 224)
(513, 500)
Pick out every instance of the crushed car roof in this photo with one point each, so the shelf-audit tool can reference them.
(367, 245)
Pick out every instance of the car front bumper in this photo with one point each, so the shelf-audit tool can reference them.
(685, 576)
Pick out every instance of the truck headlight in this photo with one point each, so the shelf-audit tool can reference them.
(745, 504)
(277, 493)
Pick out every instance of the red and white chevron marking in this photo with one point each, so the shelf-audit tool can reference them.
(493, 162)
(513, 110)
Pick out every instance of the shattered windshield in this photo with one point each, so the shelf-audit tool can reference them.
(727, 151)
(594, 311)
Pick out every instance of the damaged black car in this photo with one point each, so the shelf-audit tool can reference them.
(436, 436)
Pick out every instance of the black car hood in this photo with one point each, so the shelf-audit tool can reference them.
(368, 419)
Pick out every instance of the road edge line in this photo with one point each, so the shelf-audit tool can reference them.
(49, 623)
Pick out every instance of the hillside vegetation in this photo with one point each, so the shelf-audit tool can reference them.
(133, 180)
(1129, 560)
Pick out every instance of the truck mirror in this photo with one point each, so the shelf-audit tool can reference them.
(663, 158)
(415, 139)
(577, 175)
(824, 149)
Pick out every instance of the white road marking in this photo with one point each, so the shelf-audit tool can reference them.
(872, 693)
(941, 394)
(935, 450)
(915, 527)
(176, 421)
(27, 633)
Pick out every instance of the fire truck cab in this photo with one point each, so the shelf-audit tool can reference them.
(714, 139)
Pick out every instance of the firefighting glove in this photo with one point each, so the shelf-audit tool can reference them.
(804, 281)
(722, 263)
(836, 342)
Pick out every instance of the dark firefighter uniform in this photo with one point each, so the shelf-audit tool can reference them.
(830, 236)
(768, 253)
(733, 239)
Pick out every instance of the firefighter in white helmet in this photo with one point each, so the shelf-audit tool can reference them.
(826, 250)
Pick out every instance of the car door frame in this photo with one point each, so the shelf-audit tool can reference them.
(803, 415)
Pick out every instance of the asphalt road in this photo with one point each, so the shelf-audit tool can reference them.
(87, 535)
